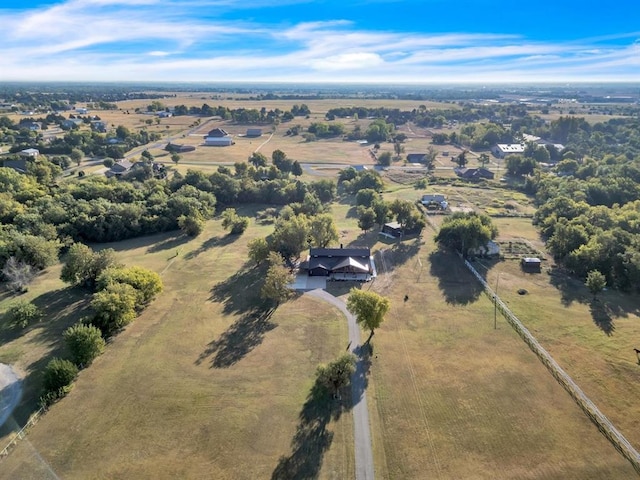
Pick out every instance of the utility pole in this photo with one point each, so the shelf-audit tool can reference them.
(495, 304)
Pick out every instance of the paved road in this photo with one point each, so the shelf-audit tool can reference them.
(361, 430)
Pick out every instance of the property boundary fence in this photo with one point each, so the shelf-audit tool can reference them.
(597, 417)
(21, 434)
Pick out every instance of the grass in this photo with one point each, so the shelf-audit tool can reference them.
(200, 375)
(455, 398)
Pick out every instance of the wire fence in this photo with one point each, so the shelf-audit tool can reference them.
(597, 417)
(22, 433)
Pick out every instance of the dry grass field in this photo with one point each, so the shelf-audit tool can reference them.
(457, 399)
(201, 385)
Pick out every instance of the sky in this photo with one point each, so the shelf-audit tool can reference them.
(330, 41)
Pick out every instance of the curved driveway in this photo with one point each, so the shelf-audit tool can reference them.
(361, 430)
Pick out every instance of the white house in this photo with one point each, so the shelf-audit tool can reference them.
(501, 150)
(218, 138)
(30, 153)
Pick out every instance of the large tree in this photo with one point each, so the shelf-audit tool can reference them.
(83, 266)
(369, 309)
(277, 280)
(323, 231)
(337, 374)
(114, 307)
(465, 231)
(595, 282)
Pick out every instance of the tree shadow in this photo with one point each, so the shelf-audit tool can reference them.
(570, 289)
(352, 212)
(601, 314)
(241, 292)
(210, 243)
(168, 244)
(312, 439)
(456, 282)
(245, 334)
(368, 239)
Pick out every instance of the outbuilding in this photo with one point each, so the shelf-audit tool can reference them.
(531, 264)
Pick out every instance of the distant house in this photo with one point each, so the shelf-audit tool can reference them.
(501, 150)
(416, 157)
(121, 167)
(30, 153)
(395, 230)
(531, 265)
(254, 132)
(82, 111)
(434, 201)
(176, 148)
(71, 123)
(540, 141)
(341, 263)
(30, 125)
(474, 173)
(218, 138)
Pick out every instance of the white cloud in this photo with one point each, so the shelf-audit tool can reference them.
(167, 40)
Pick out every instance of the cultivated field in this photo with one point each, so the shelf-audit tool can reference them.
(202, 385)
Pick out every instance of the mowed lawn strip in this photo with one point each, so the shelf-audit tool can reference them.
(458, 399)
(195, 387)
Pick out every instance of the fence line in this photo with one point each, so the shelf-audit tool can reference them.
(22, 433)
(588, 407)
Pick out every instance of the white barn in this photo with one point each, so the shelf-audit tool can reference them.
(218, 138)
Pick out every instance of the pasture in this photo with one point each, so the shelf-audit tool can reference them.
(202, 384)
(457, 399)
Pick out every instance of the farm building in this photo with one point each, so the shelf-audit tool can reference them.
(435, 201)
(501, 150)
(341, 263)
(395, 230)
(176, 148)
(416, 157)
(474, 173)
(531, 264)
(218, 138)
(254, 132)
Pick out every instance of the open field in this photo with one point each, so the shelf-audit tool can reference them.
(201, 385)
(457, 399)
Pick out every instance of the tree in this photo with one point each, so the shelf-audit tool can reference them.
(83, 266)
(384, 159)
(84, 343)
(430, 157)
(191, 224)
(258, 250)
(398, 148)
(337, 374)
(258, 159)
(484, 159)
(147, 283)
(369, 309)
(58, 374)
(595, 282)
(175, 158)
(461, 159)
(147, 156)
(233, 222)
(76, 155)
(290, 235)
(465, 231)
(277, 280)
(366, 218)
(114, 307)
(22, 313)
(323, 231)
(18, 274)
(296, 168)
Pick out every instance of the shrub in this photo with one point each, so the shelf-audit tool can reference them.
(58, 374)
(84, 342)
(23, 313)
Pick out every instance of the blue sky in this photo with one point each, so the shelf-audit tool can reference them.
(370, 41)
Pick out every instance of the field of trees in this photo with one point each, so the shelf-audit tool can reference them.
(449, 395)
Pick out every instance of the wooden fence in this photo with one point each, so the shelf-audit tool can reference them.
(597, 417)
(22, 433)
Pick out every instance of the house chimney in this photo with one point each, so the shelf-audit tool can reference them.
(340, 245)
